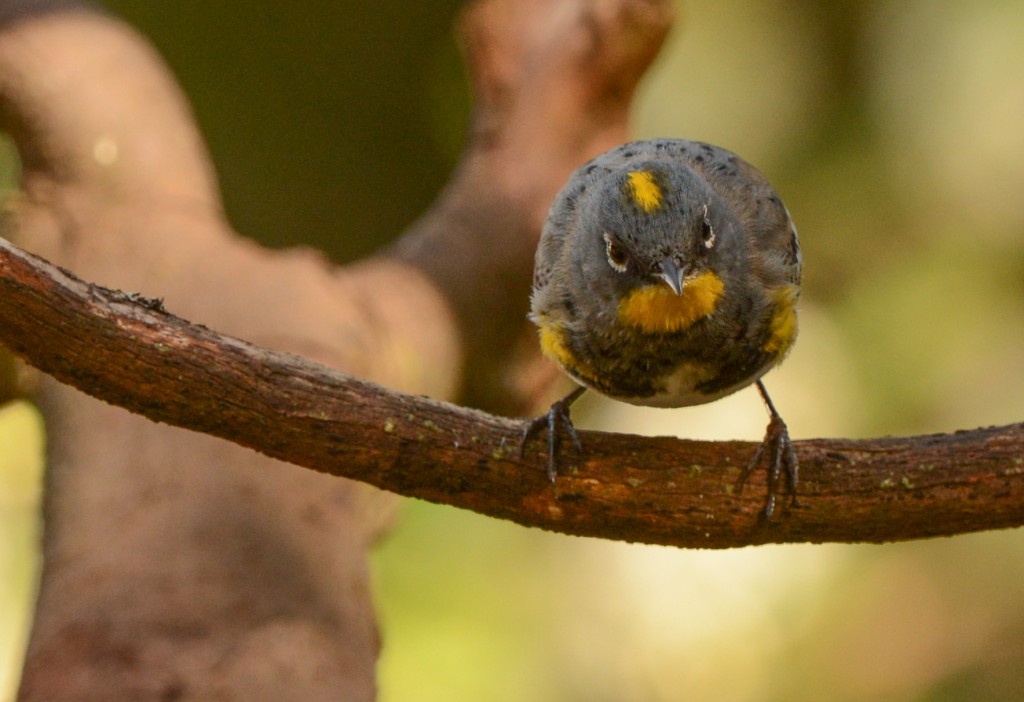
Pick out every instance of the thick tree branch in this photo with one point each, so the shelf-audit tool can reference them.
(255, 561)
(130, 352)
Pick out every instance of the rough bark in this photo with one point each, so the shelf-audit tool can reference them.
(652, 490)
(181, 566)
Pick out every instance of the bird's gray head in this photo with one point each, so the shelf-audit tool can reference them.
(652, 222)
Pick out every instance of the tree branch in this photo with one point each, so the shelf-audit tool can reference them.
(130, 352)
(259, 561)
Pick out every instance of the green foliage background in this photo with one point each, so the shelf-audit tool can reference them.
(892, 128)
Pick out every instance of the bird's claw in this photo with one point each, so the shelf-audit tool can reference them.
(781, 460)
(558, 414)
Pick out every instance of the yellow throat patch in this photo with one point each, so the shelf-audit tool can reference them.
(656, 309)
(646, 193)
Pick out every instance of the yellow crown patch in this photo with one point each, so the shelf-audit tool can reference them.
(646, 193)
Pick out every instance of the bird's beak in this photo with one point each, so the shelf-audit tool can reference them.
(672, 274)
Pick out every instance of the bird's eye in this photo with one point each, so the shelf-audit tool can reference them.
(707, 232)
(617, 256)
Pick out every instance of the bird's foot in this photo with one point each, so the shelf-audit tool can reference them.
(777, 452)
(557, 415)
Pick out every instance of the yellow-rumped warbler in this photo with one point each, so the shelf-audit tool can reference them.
(667, 274)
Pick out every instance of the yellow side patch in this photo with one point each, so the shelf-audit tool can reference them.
(645, 192)
(552, 344)
(655, 308)
(782, 327)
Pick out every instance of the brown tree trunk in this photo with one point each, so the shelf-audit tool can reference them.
(180, 566)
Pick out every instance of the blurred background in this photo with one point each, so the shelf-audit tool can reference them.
(894, 130)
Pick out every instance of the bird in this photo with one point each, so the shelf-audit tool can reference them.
(668, 274)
